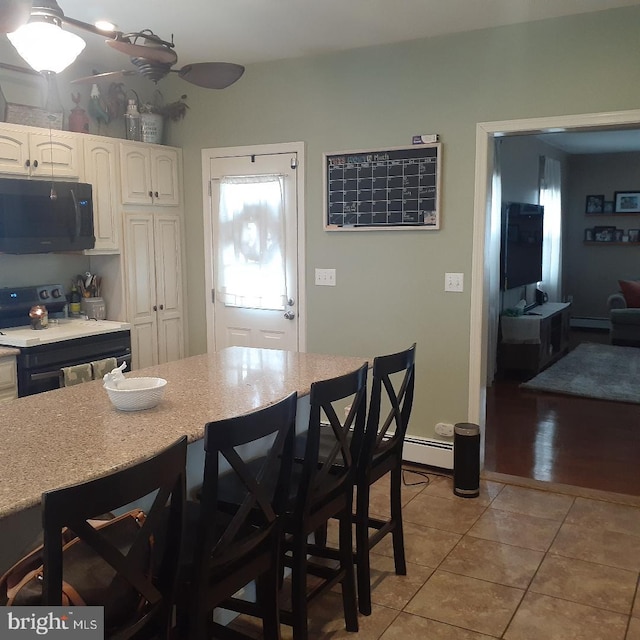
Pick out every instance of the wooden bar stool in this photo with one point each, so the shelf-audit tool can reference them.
(322, 488)
(381, 454)
(132, 564)
(233, 532)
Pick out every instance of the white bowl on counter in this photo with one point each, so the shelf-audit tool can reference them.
(135, 394)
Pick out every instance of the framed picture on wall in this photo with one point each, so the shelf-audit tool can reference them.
(594, 204)
(608, 206)
(604, 234)
(634, 235)
(627, 201)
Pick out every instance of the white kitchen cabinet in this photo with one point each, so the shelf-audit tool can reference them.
(101, 171)
(153, 273)
(149, 174)
(39, 153)
(8, 378)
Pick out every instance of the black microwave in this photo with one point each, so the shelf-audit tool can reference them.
(42, 216)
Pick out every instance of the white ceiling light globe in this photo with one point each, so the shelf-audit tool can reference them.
(45, 46)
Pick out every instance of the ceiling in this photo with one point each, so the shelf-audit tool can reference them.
(582, 142)
(253, 31)
(249, 31)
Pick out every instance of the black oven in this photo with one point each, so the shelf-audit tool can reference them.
(39, 366)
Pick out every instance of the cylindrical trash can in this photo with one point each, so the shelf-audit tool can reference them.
(466, 460)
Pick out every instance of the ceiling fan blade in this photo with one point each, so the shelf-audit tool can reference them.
(100, 77)
(156, 53)
(13, 14)
(212, 75)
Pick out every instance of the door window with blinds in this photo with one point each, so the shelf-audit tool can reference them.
(251, 233)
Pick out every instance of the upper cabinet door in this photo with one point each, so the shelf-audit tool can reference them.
(14, 152)
(100, 170)
(164, 177)
(149, 175)
(55, 154)
(135, 174)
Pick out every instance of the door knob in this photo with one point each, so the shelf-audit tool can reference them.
(291, 302)
(289, 315)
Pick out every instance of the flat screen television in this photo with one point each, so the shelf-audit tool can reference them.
(521, 246)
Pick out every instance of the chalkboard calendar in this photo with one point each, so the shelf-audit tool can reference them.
(394, 188)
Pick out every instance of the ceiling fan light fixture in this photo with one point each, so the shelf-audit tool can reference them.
(105, 26)
(45, 46)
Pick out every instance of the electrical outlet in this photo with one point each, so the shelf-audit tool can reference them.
(453, 281)
(326, 277)
(444, 429)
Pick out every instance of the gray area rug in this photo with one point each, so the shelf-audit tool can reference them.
(591, 370)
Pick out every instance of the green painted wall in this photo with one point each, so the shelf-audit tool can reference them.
(390, 284)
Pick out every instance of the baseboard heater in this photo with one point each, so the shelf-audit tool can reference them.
(433, 453)
(602, 324)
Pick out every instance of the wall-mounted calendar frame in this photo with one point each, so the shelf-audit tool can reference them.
(393, 188)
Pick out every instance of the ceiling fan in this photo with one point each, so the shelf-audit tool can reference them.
(152, 56)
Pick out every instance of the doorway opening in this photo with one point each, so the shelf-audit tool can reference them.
(483, 259)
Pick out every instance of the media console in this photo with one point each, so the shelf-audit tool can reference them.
(533, 341)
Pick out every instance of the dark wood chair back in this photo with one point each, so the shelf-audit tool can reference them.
(332, 441)
(161, 481)
(246, 478)
(389, 408)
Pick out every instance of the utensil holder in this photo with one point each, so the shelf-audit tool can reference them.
(93, 308)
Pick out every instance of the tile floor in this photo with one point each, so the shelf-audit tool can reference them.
(517, 563)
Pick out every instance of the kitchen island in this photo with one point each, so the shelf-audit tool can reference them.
(73, 434)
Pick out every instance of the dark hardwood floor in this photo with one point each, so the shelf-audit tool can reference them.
(556, 438)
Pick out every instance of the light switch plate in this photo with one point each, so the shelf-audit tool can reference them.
(454, 282)
(326, 277)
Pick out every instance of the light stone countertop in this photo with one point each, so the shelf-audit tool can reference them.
(74, 434)
(5, 352)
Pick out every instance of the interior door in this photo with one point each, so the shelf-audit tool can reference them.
(252, 250)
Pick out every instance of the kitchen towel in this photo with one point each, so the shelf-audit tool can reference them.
(76, 374)
(100, 367)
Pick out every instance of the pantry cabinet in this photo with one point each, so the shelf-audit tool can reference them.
(101, 171)
(154, 272)
(39, 153)
(8, 378)
(149, 174)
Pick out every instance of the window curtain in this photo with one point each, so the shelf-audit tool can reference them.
(492, 256)
(551, 199)
(250, 261)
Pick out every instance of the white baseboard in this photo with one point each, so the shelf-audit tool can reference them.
(434, 453)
